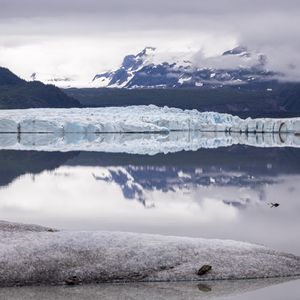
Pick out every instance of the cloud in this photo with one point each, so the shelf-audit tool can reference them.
(45, 8)
(225, 62)
(107, 30)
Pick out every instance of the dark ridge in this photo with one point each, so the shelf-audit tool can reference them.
(265, 99)
(18, 93)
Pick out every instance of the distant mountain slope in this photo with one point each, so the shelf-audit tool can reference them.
(9, 78)
(267, 99)
(18, 93)
(148, 69)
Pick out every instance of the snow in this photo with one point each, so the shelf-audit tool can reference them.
(182, 64)
(135, 119)
(184, 175)
(183, 80)
(143, 143)
(17, 227)
(149, 51)
(33, 257)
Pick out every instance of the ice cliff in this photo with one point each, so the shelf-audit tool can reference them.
(136, 119)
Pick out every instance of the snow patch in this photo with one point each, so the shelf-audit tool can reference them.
(182, 80)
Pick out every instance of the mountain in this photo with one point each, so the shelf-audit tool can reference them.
(18, 93)
(151, 69)
(7, 78)
(272, 99)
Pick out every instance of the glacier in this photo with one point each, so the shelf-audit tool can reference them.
(139, 130)
(136, 119)
(32, 255)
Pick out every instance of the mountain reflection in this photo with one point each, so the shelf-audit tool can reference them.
(215, 193)
(249, 162)
(131, 189)
(135, 181)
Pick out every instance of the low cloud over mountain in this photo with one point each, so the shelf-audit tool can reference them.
(76, 39)
(153, 69)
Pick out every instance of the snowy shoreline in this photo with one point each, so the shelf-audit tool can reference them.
(135, 119)
(33, 255)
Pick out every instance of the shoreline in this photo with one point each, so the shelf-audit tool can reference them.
(35, 255)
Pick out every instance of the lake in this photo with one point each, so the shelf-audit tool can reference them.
(225, 192)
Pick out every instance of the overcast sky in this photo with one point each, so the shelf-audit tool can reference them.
(84, 37)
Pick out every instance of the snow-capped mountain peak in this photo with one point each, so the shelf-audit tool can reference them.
(151, 69)
(131, 64)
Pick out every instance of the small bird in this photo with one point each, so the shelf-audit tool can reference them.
(274, 204)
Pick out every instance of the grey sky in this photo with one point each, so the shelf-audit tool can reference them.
(94, 35)
(32, 8)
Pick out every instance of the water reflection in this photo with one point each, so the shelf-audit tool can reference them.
(252, 289)
(143, 143)
(220, 193)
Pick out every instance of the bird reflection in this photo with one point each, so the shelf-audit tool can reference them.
(274, 204)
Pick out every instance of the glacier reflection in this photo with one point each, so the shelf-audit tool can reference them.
(143, 143)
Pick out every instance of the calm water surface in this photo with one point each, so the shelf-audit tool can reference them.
(212, 193)
(275, 289)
